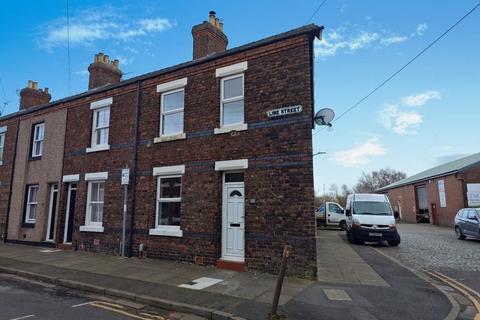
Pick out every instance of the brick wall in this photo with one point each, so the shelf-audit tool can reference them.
(455, 194)
(279, 180)
(6, 171)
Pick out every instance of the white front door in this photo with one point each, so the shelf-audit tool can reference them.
(233, 222)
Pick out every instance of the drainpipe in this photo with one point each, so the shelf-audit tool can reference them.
(11, 180)
(134, 169)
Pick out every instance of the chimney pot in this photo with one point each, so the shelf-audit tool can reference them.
(211, 17)
(217, 23)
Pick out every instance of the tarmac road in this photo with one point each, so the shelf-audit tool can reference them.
(26, 299)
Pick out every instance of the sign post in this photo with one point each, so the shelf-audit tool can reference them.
(125, 181)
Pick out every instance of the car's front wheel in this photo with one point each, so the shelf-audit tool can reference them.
(459, 233)
(343, 225)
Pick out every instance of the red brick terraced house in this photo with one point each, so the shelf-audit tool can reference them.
(219, 151)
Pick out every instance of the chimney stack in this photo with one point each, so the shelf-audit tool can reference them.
(208, 37)
(103, 71)
(32, 96)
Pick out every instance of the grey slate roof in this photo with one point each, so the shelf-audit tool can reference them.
(313, 29)
(441, 170)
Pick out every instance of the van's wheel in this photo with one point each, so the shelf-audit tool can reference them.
(343, 225)
(395, 242)
(459, 233)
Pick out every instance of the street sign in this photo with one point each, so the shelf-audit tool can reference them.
(284, 111)
(125, 176)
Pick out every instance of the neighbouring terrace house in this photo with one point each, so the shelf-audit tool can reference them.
(435, 195)
(217, 176)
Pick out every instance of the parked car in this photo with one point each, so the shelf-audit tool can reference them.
(335, 215)
(370, 218)
(467, 223)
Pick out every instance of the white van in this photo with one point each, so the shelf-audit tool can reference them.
(334, 215)
(370, 218)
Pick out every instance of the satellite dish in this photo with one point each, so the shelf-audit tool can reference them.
(324, 117)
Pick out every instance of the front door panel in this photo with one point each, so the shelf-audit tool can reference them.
(234, 223)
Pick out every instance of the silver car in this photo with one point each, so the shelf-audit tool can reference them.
(467, 223)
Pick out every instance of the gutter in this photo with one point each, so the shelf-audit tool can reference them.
(135, 163)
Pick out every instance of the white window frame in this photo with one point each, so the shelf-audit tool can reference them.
(163, 230)
(97, 107)
(37, 152)
(93, 226)
(232, 99)
(31, 203)
(164, 89)
(163, 112)
(2, 146)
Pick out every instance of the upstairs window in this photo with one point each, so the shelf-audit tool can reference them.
(232, 110)
(101, 123)
(32, 203)
(172, 104)
(37, 139)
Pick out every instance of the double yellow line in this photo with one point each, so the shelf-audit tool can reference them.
(468, 292)
(122, 310)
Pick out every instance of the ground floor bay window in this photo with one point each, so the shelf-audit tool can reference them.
(168, 202)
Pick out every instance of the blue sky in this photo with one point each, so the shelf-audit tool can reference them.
(426, 115)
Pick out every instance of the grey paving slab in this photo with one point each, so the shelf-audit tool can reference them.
(339, 263)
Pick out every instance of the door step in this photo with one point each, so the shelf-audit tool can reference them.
(231, 265)
(63, 246)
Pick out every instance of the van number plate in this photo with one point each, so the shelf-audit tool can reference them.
(374, 234)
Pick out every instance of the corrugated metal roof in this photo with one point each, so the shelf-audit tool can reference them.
(444, 169)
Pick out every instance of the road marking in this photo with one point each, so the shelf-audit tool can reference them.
(152, 316)
(24, 317)
(466, 291)
(110, 304)
(131, 315)
(82, 304)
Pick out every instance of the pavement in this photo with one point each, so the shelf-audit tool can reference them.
(355, 282)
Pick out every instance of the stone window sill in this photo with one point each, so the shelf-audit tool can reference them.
(98, 148)
(235, 127)
(166, 231)
(173, 137)
(91, 229)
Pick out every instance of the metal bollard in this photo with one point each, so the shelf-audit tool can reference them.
(278, 289)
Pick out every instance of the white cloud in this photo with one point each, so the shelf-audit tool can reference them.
(333, 42)
(393, 39)
(421, 28)
(419, 99)
(399, 121)
(340, 40)
(82, 73)
(360, 154)
(92, 25)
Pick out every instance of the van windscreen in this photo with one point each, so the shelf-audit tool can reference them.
(372, 208)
